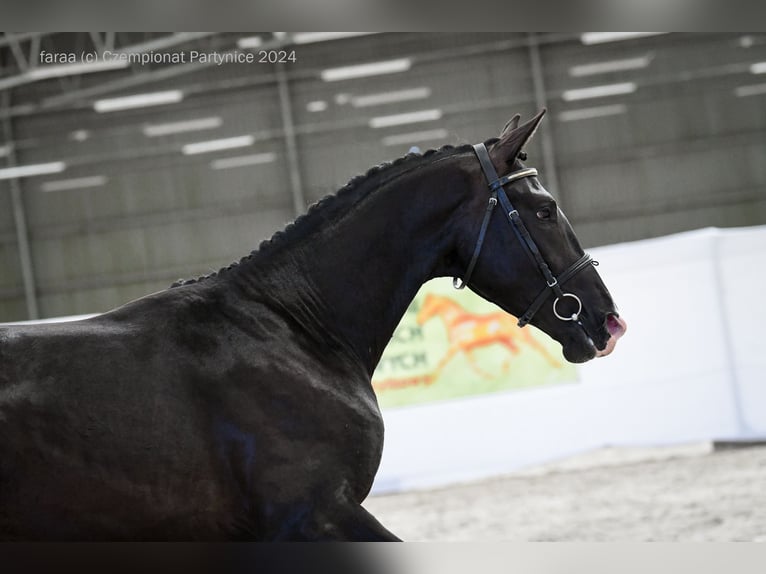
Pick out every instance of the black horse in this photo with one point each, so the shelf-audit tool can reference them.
(238, 406)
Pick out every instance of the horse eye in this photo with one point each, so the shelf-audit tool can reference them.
(544, 213)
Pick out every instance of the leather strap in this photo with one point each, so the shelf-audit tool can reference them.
(458, 283)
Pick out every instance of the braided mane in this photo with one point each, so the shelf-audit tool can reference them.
(330, 205)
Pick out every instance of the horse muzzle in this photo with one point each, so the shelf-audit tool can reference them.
(616, 327)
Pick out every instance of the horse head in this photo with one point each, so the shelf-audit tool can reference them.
(524, 256)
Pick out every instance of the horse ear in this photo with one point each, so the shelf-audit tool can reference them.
(514, 137)
(512, 124)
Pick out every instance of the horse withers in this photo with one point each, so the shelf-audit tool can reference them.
(239, 406)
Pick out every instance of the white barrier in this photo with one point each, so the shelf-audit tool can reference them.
(690, 368)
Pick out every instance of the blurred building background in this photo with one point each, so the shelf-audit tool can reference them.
(104, 199)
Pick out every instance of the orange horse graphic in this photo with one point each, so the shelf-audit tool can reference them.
(467, 332)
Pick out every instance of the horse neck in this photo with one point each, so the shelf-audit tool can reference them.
(348, 282)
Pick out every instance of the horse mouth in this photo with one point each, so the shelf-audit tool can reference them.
(616, 327)
(583, 348)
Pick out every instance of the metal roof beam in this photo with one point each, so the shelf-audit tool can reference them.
(18, 53)
(9, 37)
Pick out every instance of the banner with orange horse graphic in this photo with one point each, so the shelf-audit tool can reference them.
(453, 343)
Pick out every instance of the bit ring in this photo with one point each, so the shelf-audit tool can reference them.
(574, 315)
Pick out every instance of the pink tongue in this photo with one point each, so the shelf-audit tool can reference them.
(616, 326)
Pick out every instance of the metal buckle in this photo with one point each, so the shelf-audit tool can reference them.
(552, 285)
(575, 315)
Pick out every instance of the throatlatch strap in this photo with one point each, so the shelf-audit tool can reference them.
(458, 283)
(491, 175)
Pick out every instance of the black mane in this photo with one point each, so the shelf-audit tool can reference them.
(330, 205)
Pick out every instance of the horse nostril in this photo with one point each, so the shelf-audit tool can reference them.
(615, 325)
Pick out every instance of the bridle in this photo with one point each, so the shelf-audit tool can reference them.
(553, 283)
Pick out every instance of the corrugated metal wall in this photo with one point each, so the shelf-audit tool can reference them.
(686, 152)
(680, 150)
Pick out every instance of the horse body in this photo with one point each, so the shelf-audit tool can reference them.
(240, 406)
(190, 412)
(178, 419)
